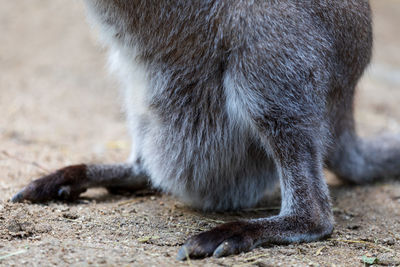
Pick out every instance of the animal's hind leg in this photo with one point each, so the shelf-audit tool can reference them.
(359, 160)
(69, 182)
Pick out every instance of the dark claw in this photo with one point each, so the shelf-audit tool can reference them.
(234, 245)
(183, 253)
(222, 250)
(64, 192)
(18, 197)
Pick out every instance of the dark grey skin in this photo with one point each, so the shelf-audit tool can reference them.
(236, 96)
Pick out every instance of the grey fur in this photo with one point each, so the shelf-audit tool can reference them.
(225, 98)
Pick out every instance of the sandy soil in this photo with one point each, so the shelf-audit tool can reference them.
(58, 106)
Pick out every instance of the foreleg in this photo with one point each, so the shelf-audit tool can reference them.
(69, 182)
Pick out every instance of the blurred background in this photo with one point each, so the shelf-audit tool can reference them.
(58, 105)
(55, 92)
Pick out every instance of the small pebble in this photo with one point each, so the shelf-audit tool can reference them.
(389, 241)
(70, 216)
(353, 226)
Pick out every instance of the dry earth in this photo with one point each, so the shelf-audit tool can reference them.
(58, 106)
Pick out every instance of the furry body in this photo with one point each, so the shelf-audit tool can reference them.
(226, 98)
(200, 77)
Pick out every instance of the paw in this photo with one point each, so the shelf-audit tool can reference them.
(224, 240)
(65, 184)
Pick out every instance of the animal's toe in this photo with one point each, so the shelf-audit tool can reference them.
(199, 246)
(18, 197)
(65, 184)
(234, 245)
(224, 240)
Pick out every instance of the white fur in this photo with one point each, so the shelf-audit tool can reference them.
(225, 175)
(134, 78)
(234, 103)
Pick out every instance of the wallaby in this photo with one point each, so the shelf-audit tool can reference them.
(226, 98)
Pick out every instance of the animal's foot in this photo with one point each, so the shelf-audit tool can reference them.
(227, 239)
(65, 184)
(236, 237)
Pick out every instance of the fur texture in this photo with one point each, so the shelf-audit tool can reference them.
(226, 98)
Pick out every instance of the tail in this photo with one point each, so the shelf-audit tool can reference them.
(361, 161)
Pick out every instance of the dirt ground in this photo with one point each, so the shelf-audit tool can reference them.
(59, 106)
